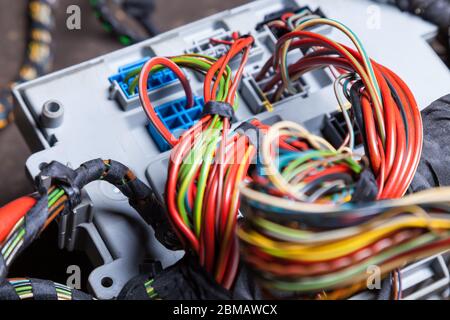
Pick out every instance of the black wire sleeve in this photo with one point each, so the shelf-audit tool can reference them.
(41, 289)
(140, 197)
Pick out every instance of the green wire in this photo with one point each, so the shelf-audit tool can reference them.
(191, 169)
(21, 290)
(366, 56)
(53, 194)
(55, 198)
(202, 153)
(295, 167)
(189, 62)
(322, 282)
(19, 237)
(296, 234)
(201, 186)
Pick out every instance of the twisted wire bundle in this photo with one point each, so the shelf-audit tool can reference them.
(303, 235)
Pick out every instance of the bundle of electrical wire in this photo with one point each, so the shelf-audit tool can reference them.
(36, 289)
(305, 237)
(38, 58)
(382, 106)
(208, 161)
(22, 220)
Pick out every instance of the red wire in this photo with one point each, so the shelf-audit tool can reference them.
(145, 100)
(12, 212)
(395, 161)
(221, 181)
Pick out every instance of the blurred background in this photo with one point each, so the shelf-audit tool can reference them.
(69, 48)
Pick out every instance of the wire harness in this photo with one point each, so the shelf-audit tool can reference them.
(207, 161)
(382, 106)
(36, 289)
(304, 236)
(59, 191)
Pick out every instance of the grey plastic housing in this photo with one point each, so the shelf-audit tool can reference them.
(99, 123)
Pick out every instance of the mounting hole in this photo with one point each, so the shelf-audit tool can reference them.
(53, 106)
(107, 282)
(52, 114)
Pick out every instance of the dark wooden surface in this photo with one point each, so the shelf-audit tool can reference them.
(71, 47)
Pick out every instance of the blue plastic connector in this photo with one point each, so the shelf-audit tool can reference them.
(155, 81)
(176, 118)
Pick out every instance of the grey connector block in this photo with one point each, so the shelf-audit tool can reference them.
(258, 101)
(205, 47)
(208, 48)
(428, 279)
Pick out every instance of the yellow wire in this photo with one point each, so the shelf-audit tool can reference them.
(364, 72)
(299, 252)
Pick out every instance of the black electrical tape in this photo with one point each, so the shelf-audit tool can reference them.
(220, 108)
(366, 188)
(155, 215)
(88, 172)
(7, 291)
(187, 280)
(140, 196)
(43, 289)
(72, 181)
(46, 290)
(78, 295)
(245, 287)
(116, 173)
(139, 189)
(135, 289)
(150, 267)
(62, 176)
(34, 221)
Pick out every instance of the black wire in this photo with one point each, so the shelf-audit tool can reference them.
(355, 101)
(401, 108)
